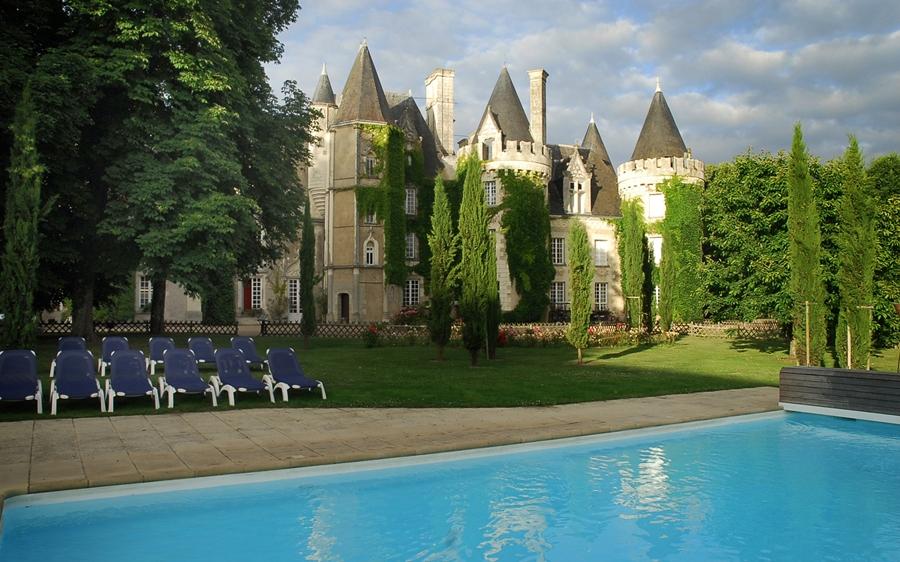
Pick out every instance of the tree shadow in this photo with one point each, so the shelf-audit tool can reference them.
(765, 346)
(628, 351)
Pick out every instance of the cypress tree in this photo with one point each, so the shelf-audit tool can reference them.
(856, 262)
(307, 274)
(680, 283)
(394, 184)
(804, 240)
(444, 244)
(20, 229)
(581, 279)
(475, 243)
(633, 257)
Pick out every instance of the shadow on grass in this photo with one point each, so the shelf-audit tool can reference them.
(764, 346)
(628, 351)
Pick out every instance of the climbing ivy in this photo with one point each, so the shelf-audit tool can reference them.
(526, 226)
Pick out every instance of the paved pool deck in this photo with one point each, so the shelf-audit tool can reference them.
(57, 454)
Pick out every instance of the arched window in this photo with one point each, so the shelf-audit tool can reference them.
(370, 253)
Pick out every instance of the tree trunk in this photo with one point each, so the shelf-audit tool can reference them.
(579, 356)
(158, 306)
(473, 357)
(83, 310)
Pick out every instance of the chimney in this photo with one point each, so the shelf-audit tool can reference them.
(538, 79)
(439, 103)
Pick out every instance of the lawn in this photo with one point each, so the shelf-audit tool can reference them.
(356, 376)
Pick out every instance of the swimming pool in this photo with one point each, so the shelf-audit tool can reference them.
(773, 486)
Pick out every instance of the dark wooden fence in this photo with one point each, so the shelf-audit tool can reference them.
(844, 389)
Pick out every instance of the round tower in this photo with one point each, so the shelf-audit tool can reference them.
(659, 155)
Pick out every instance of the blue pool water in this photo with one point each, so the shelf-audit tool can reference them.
(775, 487)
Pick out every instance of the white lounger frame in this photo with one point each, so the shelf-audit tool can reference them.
(166, 388)
(231, 390)
(55, 395)
(269, 380)
(111, 395)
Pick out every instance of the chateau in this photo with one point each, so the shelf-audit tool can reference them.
(580, 181)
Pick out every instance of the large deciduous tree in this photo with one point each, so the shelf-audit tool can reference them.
(444, 244)
(474, 250)
(806, 288)
(884, 173)
(856, 261)
(23, 211)
(581, 281)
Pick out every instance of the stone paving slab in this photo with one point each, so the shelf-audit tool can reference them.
(57, 454)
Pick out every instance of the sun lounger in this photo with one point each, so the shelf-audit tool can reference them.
(128, 377)
(247, 346)
(158, 347)
(18, 377)
(110, 345)
(285, 373)
(203, 350)
(67, 343)
(183, 376)
(234, 376)
(75, 379)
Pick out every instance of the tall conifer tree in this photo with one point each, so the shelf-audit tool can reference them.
(856, 262)
(444, 244)
(473, 233)
(20, 227)
(630, 231)
(308, 274)
(680, 284)
(805, 243)
(581, 280)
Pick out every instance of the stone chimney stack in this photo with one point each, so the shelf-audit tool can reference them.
(439, 106)
(538, 80)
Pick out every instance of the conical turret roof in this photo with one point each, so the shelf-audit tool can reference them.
(363, 97)
(323, 94)
(659, 136)
(594, 141)
(507, 110)
(604, 189)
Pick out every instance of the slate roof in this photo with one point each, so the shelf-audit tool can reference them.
(605, 187)
(659, 136)
(404, 112)
(363, 97)
(507, 110)
(324, 94)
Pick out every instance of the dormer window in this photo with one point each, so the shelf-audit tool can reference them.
(487, 149)
(575, 200)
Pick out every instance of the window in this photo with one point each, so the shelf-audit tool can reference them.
(411, 243)
(601, 253)
(558, 292)
(656, 206)
(145, 295)
(370, 217)
(370, 166)
(656, 248)
(411, 293)
(490, 193)
(558, 251)
(410, 200)
(256, 296)
(293, 296)
(487, 149)
(601, 292)
(369, 253)
(575, 206)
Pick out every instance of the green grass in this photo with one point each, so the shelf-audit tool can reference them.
(410, 377)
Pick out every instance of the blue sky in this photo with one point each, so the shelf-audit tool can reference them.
(737, 75)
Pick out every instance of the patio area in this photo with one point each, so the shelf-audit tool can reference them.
(56, 454)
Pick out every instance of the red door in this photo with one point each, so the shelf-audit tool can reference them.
(248, 295)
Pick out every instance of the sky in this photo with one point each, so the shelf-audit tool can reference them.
(737, 75)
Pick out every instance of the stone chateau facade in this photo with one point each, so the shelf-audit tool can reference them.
(580, 181)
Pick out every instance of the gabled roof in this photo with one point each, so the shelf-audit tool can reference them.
(506, 109)
(363, 97)
(324, 94)
(659, 136)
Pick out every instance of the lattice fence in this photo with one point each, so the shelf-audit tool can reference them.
(140, 328)
(757, 330)
(199, 328)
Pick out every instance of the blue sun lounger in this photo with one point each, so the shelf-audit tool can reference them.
(110, 345)
(247, 346)
(183, 376)
(18, 377)
(286, 373)
(203, 349)
(76, 378)
(128, 377)
(234, 376)
(158, 347)
(67, 343)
